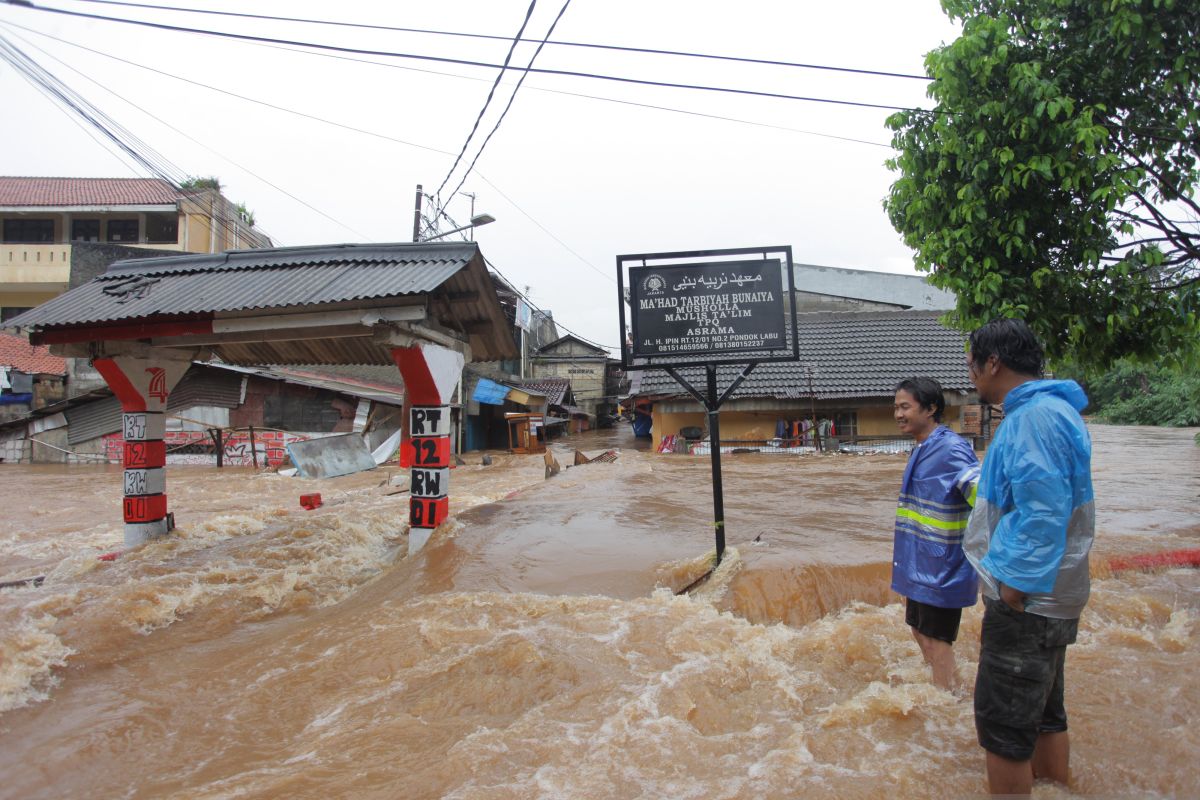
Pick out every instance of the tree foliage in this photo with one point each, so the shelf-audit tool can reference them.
(1055, 179)
(193, 184)
(1142, 394)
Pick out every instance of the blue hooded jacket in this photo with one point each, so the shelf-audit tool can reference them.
(936, 494)
(1034, 517)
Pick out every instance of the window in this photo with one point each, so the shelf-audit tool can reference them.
(845, 423)
(123, 230)
(28, 231)
(162, 228)
(8, 312)
(85, 230)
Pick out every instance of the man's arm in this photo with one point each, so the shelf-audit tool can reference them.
(1030, 540)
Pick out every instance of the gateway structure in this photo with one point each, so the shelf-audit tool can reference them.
(425, 307)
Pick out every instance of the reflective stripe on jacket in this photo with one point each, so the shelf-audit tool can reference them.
(936, 493)
(1034, 519)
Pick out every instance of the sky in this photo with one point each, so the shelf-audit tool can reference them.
(328, 147)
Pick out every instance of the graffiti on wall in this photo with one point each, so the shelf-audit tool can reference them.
(198, 448)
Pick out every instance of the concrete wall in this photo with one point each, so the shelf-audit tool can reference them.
(14, 449)
(92, 259)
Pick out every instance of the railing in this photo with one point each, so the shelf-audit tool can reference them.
(833, 444)
(35, 263)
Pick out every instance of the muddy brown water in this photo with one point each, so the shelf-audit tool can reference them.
(535, 648)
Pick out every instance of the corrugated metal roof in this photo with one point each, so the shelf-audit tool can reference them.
(850, 355)
(200, 286)
(244, 280)
(206, 386)
(90, 420)
(22, 191)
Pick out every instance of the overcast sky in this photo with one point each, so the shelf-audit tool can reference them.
(580, 170)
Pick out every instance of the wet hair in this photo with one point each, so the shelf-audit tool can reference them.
(927, 392)
(1011, 341)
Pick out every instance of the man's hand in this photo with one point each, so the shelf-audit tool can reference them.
(1014, 597)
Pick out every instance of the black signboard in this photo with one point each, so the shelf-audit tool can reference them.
(718, 308)
(727, 309)
(707, 306)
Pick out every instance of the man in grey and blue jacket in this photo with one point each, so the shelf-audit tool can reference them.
(1028, 537)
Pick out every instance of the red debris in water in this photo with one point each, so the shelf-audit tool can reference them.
(109, 556)
(1163, 560)
(310, 501)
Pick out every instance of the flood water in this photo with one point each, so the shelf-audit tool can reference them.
(536, 649)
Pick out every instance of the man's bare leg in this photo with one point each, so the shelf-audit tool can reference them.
(1052, 757)
(940, 656)
(1006, 777)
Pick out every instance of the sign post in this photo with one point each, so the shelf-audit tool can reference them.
(708, 308)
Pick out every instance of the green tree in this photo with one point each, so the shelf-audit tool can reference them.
(1144, 394)
(1055, 179)
(195, 184)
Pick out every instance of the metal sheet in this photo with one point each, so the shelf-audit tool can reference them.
(331, 456)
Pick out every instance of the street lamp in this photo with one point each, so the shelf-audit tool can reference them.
(476, 221)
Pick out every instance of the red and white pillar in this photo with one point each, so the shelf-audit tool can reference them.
(430, 374)
(142, 386)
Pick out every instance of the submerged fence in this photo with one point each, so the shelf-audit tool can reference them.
(848, 444)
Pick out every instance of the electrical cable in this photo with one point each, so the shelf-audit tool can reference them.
(643, 50)
(444, 74)
(491, 93)
(393, 139)
(466, 62)
(385, 137)
(163, 122)
(145, 155)
(535, 307)
(511, 98)
(580, 94)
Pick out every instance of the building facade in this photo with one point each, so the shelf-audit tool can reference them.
(55, 232)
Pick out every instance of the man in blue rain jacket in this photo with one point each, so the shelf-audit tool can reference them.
(928, 565)
(1029, 538)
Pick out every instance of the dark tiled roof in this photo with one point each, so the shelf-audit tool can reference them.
(552, 388)
(18, 353)
(86, 192)
(863, 354)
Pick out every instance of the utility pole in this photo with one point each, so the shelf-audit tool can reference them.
(524, 339)
(471, 195)
(417, 216)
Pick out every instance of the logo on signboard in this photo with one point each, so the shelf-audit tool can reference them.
(653, 284)
(158, 383)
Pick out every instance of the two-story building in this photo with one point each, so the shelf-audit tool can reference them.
(583, 364)
(61, 232)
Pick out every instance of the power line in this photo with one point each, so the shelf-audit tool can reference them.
(589, 45)
(487, 102)
(161, 121)
(467, 62)
(534, 306)
(652, 106)
(145, 155)
(511, 98)
(544, 229)
(233, 94)
(351, 128)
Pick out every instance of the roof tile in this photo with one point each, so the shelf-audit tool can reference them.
(16, 352)
(847, 354)
(18, 191)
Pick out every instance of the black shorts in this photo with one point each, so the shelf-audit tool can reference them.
(1019, 686)
(933, 621)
